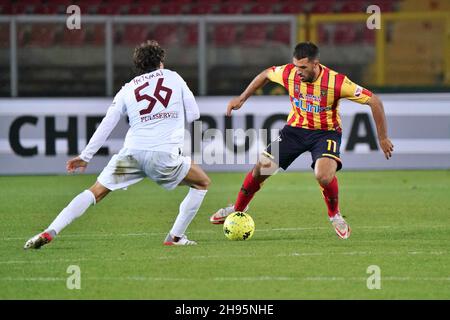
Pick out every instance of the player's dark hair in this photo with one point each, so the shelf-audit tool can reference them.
(306, 50)
(148, 56)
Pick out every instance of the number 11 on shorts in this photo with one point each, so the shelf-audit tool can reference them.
(331, 145)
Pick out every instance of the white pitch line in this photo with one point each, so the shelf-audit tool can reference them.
(145, 234)
(292, 254)
(354, 253)
(297, 254)
(262, 278)
(322, 228)
(222, 279)
(44, 261)
(97, 235)
(41, 279)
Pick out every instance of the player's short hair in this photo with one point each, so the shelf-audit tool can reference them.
(306, 50)
(148, 56)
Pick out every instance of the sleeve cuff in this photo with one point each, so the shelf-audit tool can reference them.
(84, 157)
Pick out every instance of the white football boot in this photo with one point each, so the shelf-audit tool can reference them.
(221, 214)
(183, 241)
(340, 226)
(38, 241)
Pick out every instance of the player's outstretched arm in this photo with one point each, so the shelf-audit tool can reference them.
(380, 120)
(100, 135)
(76, 163)
(258, 82)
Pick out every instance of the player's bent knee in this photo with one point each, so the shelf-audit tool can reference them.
(265, 168)
(205, 183)
(99, 191)
(324, 178)
(264, 163)
(201, 184)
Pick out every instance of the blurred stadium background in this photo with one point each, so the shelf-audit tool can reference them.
(218, 46)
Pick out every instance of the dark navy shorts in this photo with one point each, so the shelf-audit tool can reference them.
(294, 141)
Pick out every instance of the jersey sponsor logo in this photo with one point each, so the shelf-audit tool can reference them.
(310, 98)
(310, 107)
(309, 103)
(160, 115)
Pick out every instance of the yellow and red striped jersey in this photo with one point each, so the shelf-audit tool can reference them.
(315, 105)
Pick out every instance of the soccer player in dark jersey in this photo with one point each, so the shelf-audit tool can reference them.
(313, 124)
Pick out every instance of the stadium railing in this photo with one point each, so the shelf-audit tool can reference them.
(108, 21)
(396, 55)
(404, 42)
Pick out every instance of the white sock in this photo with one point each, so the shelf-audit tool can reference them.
(188, 210)
(74, 209)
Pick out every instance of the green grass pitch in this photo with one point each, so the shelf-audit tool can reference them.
(400, 222)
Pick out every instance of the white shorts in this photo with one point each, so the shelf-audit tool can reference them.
(131, 166)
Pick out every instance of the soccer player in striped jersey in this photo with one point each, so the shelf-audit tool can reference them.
(313, 124)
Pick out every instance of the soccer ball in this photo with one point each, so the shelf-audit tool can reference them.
(239, 226)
